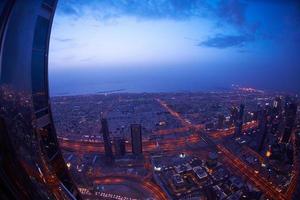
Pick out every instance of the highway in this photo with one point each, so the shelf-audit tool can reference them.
(165, 145)
(147, 186)
(224, 133)
(247, 171)
(175, 114)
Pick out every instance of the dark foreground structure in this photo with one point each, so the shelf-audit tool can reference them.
(31, 163)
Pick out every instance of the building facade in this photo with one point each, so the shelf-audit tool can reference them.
(136, 139)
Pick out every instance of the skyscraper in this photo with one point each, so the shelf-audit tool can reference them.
(233, 115)
(136, 139)
(276, 116)
(106, 139)
(239, 121)
(241, 112)
(277, 106)
(290, 117)
(119, 144)
(263, 128)
(221, 119)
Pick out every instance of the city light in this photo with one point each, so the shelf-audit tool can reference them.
(182, 155)
(69, 165)
(268, 154)
(157, 168)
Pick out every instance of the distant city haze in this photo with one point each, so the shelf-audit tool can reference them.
(171, 45)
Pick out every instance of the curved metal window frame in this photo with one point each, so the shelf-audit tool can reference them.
(31, 163)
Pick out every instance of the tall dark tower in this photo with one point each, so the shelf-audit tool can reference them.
(221, 119)
(263, 128)
(239, 121)
(106, 139)
(233, 115)
(241, 112)
(120, 146)
(290, 117)
(136, 139)
(277, 106)
(275, 114)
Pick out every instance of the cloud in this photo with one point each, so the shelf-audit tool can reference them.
(69, 10)
(88, 59)
(191, 39)
(63, 39)
(226, 41)
(274, 1)
(224, 13)
(233, 11)
(148, 9)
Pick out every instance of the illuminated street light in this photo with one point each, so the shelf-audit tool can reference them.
(182, 155)
(69, 165)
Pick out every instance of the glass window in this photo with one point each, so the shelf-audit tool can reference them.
(2, 4)
(38, 71)
(49, 2)
(39, 80)
(41, 33)
(49, 140)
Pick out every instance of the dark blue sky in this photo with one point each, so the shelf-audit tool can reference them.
(195, 44)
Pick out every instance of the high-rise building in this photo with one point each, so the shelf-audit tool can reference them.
(290, 117)
(120, 147)
(220, 124)
(263, 128)
(106, 139)
(233, 115)
(239, 121)
(275, 114)
(241, 112)
(277, 105)
(136, 139)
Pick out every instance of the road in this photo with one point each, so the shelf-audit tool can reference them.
(148, 186)
(165, 145)
(250, 173)
(224, 133)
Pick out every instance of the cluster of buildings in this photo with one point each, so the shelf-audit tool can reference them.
(270, 148)
(79, 117)
(192, 177)
(119, 143)
(256, 128)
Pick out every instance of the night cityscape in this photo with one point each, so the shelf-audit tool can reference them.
(238, 144)
(149, 100)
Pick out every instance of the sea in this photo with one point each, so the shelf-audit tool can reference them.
(66, 82)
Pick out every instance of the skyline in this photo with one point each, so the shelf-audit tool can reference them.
(219, 42)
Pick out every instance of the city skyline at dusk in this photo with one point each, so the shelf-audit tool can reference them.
(149, 100)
